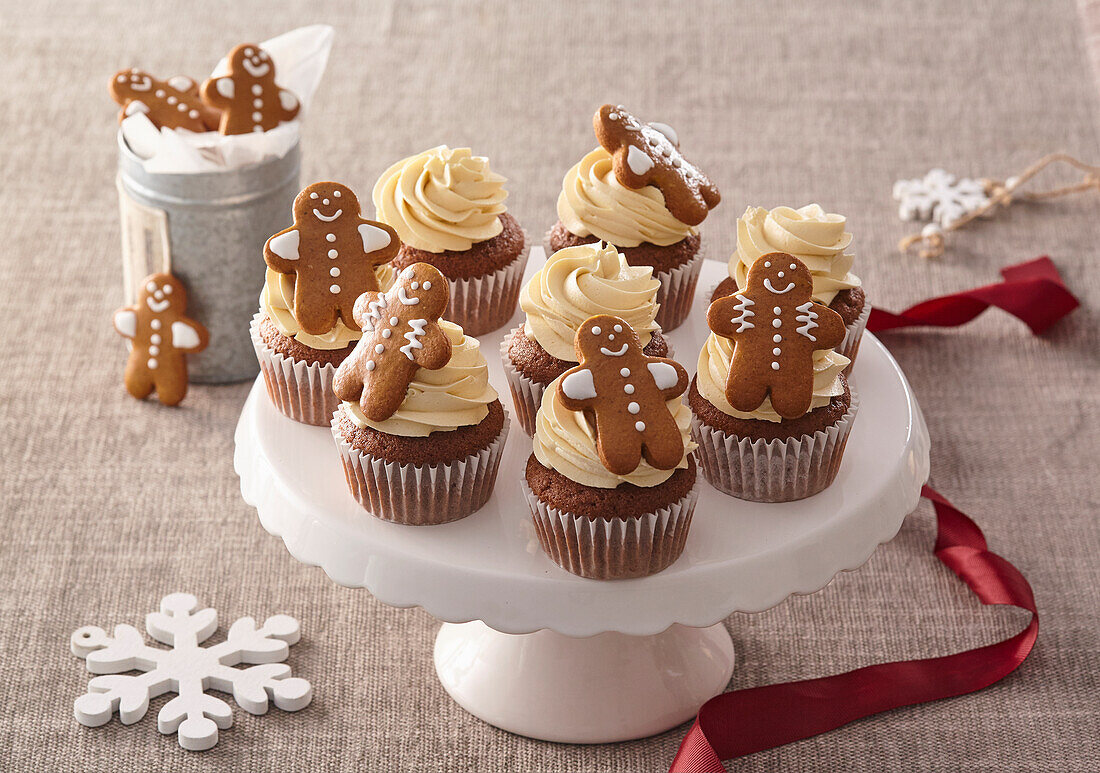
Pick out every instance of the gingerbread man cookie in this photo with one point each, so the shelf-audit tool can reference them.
(247, 95)
(171, 104)
(627, 393)
(775, 327)
(160, 336)
(378, 371)
(649, 154)
(333, 252)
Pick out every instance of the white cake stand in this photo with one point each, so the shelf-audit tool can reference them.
(535, 650)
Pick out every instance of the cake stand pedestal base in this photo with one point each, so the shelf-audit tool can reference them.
(605, 688)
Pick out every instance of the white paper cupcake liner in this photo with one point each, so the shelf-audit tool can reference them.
(420, 495)
(527, 394)
(613, 548)
(849, 347)
(300, 390)
(772, 470)
(676, 292)
(481, 304)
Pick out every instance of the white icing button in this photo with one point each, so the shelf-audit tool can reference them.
(775, 366)
(155, 338)
(379, 348)
(777, 323)
(159, 92)
(154, 350)
(777, 338)
(777, 351)
(257, 103)
(155, 324)
(334, 289)
(257, 116)
(394, 320)
(624, 372)
(634, 407)
(152, 363)
(387, 333)
(610, 336)
(640, 426)
(370, 365)
(323, 201)
(181, 107)
(172, 100)
(777, 310)
(629, 389)
(332, 253)
(193, 114)
(257, 89)
(328, 237)
(334, 271)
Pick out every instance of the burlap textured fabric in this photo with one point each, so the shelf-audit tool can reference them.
(108, 504)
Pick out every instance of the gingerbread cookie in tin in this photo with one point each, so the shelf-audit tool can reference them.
(170, 104)
(160, 335)
(247, 95)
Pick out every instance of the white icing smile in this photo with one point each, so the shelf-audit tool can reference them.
(329, 218)
(405, 299)
(768, 285)
(157, 306)
(608, 353)
(144, 83)
(256, 70)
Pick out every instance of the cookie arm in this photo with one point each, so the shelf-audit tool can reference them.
(670, 376)
(730, 315)
(434, 350)
(189, 336)
(832, 328)
(281, 251)
(380, 242)
(125, 322)
(577, 388)
(217, 91)
(289, 105)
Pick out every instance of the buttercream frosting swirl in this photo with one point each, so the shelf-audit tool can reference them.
(714, 365)
(594, 203)
(277, 302)
(580, 282)
(456, 395)
(441, 199)
(565, 440)
(809, 233)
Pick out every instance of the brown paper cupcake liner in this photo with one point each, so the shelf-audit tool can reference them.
(527, 394)
(613, 548)
(481, 304)
(420, 495)
(772, 470)
(300, 390)
(849, 347)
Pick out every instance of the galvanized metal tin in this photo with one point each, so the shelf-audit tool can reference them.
(209, 230)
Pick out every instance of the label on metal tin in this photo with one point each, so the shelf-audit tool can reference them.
(145, 248)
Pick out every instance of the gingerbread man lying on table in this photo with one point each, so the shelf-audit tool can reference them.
(775, 327)
(401, 334)
(626, 391)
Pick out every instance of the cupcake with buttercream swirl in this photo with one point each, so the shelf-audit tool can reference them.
(447, 206)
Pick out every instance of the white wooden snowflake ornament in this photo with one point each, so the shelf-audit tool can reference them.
(188, 670)
(939, 197)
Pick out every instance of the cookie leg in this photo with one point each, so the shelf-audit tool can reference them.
(620, 448)
(746, 389)
(171, 386)
(664, 446)
(138, 381)
(793, 400)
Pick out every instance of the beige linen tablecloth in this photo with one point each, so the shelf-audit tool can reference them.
(109, 503)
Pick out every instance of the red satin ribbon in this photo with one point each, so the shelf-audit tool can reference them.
(745, 721)
(1032, 291)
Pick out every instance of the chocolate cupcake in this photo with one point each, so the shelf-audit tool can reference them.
(772, 408)
(602, 199)
(818, 239)
(448, 208)
(611, 483)
(299, 336)
(574, 284)
(420, 431)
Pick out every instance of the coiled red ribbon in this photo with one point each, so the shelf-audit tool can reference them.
(745, 721)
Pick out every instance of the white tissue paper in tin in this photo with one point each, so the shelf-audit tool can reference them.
(300, 58)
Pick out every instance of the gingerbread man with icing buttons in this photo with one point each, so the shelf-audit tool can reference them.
(775, 327)
(247, 95)
(401, 334)
(649, 154)
(173, 104)
(160, 336)
(627, 392)
(332, 252)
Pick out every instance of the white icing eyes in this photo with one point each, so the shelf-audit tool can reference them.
(792, 267)
(414, 286)
(313, 195)
(597, 331)
(618, 328)
(767, 264)
(427, 285)
(336, 194)
(150, 287)
(122, 79)
(167, 289)
(248, 52)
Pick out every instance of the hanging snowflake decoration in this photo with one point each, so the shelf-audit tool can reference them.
(188, 670)
(939, 197)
